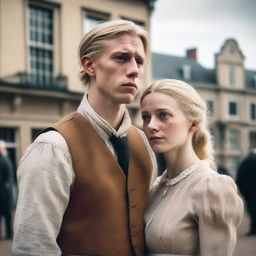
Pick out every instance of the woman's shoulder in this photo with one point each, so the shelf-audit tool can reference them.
(210, 182)
(216, 194)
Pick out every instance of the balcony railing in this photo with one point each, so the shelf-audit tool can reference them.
(26, 80)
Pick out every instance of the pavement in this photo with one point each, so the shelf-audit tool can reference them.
(246, 246)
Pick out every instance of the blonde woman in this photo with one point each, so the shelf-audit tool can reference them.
(192, 210)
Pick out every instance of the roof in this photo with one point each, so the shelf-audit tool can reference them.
(170, 66)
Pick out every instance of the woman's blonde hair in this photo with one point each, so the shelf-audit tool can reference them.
(93, 42)
(193, 107)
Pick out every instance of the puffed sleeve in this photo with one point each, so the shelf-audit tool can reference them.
(219, 211)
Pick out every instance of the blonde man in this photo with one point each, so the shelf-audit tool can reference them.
(78, 196)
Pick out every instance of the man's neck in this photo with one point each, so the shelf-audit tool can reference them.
(110, 112)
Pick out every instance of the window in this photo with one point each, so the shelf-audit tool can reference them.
(93, 18)
(7, 134)
(41, 45)
(232, 76)
(138, 22)
(233, 108)
(252, 139)
(234, 164)
(34, 133)
(186, 72)
(234, 139)
(210, 106)
(253, 112)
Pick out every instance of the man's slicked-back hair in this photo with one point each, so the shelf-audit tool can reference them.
(93, 42)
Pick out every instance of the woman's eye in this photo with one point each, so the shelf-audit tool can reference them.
(163, 115)
(145, 118)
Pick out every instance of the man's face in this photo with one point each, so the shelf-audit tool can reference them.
(117, 69)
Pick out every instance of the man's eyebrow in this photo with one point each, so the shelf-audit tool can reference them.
(129, 53)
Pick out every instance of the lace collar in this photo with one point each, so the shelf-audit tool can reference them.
(171, 182)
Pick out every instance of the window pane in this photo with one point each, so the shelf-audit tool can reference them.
(41, 45)
(252, 139)
(93, 18)
(232, 76)
(210, 106)
(90, 23)
(253, 111)
(234, 139)
(233, 108)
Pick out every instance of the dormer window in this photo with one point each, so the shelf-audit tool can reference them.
(232, 48)
(186, 72)
(232, 76)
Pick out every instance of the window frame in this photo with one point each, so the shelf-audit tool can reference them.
(54, 48)
(253, 112)
(232, 76)
(93, 14)
(230, 106)
(236, 145)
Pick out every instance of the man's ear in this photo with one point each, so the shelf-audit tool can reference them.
(87, 63)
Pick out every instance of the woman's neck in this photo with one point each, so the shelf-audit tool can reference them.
(178, 161)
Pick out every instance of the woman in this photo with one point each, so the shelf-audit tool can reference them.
(192, 209)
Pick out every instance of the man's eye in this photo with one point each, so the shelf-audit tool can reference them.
(120, 58)
(139, 62)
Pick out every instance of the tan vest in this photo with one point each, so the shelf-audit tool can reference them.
(104, 216)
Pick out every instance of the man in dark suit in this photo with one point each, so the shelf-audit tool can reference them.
(246, 178)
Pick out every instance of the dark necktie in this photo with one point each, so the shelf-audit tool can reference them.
(121, 148)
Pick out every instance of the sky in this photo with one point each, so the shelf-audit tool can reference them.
(177, 25)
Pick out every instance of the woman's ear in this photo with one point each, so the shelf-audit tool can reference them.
(194, 126)
(87, 63)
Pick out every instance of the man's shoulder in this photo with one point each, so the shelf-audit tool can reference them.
(52, 137)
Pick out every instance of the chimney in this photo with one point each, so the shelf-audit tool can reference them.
(192, 54)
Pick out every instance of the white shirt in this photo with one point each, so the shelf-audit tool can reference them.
(45, 177)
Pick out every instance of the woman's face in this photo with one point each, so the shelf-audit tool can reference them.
(164, 123)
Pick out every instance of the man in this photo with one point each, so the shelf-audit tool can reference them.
(6, 191)
(246, 178)
(74, 197)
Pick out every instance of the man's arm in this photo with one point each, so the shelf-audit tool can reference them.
(45, 177)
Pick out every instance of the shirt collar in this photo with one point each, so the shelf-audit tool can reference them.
(99, 123)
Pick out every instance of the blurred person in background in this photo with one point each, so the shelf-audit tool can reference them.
(246, 182)
(77, 194)
(192, 210)
(223, 170)
(6, 191)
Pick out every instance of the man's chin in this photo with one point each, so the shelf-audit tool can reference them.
(128, 99)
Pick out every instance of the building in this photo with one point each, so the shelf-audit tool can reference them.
(39, 64)
(230, 92)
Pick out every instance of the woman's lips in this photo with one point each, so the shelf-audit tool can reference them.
(154, 138)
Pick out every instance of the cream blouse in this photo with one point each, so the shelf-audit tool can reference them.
(196, 213)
